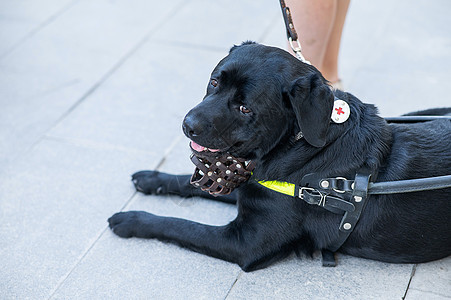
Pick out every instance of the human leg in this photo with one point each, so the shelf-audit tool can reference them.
(329, 67)
(313, 21)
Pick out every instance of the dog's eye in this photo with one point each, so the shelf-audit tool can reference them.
(214, 82)
(244, 109)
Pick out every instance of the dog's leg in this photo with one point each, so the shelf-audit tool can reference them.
(238, 242)
(154, 182)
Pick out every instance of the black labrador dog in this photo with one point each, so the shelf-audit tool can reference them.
(258, 99)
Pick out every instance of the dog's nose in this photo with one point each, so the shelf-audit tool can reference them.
(191, 127)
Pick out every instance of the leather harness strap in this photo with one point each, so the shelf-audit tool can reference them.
(350, 218)
(340, 195)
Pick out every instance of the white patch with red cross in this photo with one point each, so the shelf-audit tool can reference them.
(340, 112)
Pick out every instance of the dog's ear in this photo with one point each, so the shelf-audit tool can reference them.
(312, 101)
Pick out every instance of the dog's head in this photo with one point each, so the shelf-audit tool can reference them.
(257, 96)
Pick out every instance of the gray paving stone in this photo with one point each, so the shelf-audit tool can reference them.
(219, 25)
(118, 268)
(433, 277)
(53, 206)
(19, 19)
(275, 35)
(142, 106)
(54, 68)
(395, 56)
(363, 33)
(353, 278)
(413, 294)
(393, 93)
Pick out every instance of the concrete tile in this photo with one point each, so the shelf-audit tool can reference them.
(413, 294)
(219, 25)
(19, 19)
(395, 57)
(54, 68)
(178, 158)
(414, 43)
(275, 34)
(142, 106)
(118, 268)
(364, 31)
(433, 277)
(53, 207)
(353, 278)
(397, 93)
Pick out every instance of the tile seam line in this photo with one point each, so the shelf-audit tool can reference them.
(126, 204)
(85, 253)
(113, 69)
(412, 274)
(38, 28)
(233, 284)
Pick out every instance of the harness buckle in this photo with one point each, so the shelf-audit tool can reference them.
(322, 200)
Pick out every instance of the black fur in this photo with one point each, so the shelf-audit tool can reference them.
(285, 96)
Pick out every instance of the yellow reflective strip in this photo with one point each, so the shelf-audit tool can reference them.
(279, 186)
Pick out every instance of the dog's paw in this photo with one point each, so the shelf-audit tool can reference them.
(131, 223)
(150, 182)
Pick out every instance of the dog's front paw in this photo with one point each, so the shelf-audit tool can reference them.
(131, 223)
(150, 182)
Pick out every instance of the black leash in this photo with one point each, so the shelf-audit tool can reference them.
(415, 119)
(411, 185)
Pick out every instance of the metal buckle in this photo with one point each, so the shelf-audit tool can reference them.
(322, 201)
(295, 49)
(337, 190)
(301, 190)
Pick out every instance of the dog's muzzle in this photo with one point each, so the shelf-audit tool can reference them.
(219, 174)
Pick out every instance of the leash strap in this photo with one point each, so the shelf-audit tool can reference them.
(415, 119)
(344, 185)
(411, 185)
(291, 32)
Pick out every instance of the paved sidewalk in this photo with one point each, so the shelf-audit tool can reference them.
(91, 91)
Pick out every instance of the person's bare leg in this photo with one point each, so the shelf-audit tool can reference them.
(313, 21)
(329, 67)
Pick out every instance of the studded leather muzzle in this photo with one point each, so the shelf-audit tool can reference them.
(219, 174)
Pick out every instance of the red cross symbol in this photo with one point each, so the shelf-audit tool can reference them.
(339, 111)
